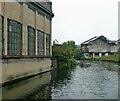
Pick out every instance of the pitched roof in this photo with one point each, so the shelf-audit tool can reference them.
(99, 37)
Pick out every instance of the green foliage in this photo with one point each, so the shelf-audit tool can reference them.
(78, 54)
(118, 57)
(64, 54)
(70, 44)
(110, 58)
(115, 57)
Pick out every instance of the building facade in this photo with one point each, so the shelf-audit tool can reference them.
(98, 46)
(25, 37)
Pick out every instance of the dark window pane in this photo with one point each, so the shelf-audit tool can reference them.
(31, 41)
(1, 35)
(40, 43)
(14, 42)
(47, 44)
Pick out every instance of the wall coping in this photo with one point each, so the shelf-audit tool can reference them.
(20, 57)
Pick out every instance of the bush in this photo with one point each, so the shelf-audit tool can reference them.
(78, 54)
(64, 54)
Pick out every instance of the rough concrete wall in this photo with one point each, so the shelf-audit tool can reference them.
(29, 16)
(40, 22)
(1, 8)
(47, 26)
(114, 48)
(26, 17)
(23, 14)
(16, 68)
(28, 86)
(13, 11)
(24, 40)
(99, 46)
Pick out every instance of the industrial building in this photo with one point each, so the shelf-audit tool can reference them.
(25, 38)
(99, 46)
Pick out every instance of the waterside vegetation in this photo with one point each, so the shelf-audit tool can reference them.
(109, 58)
(66, 54)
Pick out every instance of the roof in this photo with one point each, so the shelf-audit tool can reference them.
(99, 37)
(118, 41)
(44, 5)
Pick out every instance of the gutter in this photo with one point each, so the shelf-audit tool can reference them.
(43, 8)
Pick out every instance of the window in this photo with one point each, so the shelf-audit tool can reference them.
(1, 28)
(47, 44)
(14, 38)
(40, 43)
(31, 41)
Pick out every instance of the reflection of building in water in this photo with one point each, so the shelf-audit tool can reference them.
(27, 87)
(25, 38)
(99, 46)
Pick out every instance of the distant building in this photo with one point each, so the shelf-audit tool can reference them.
(77, 46)
(25, 37)
(98, 46)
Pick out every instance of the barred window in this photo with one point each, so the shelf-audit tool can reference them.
(40, 43)
(31, 41)
(1, 28)
(14, 38)
(47, 44)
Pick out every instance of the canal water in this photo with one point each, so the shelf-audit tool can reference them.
(87, 80)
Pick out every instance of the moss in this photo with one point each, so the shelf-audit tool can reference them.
(11, 77)
(40, 70)
(18, 75)
(25, 74)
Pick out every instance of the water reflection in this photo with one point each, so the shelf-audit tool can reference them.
(19, 90)
(87, 80)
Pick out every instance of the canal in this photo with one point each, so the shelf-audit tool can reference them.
(87, 80)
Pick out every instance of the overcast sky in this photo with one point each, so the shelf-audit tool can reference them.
(80, 20)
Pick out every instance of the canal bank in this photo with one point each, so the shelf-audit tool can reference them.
(111, 58)
(101, 60)
(87, 80)
(23, 69)
(25, 39)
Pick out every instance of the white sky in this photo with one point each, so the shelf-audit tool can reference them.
(80, 20)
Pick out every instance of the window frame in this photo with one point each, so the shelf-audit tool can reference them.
(48, 54)
(2, 47)
(38, 48)
(13, 40)
(28, 41)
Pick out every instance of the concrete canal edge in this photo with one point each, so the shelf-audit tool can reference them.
(101, 60)
(15, 70)
(23, 78)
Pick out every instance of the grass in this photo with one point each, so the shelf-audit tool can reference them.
(115, 57)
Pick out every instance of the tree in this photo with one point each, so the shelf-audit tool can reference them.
(64, 54)
(78, 54)
(70, 44)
